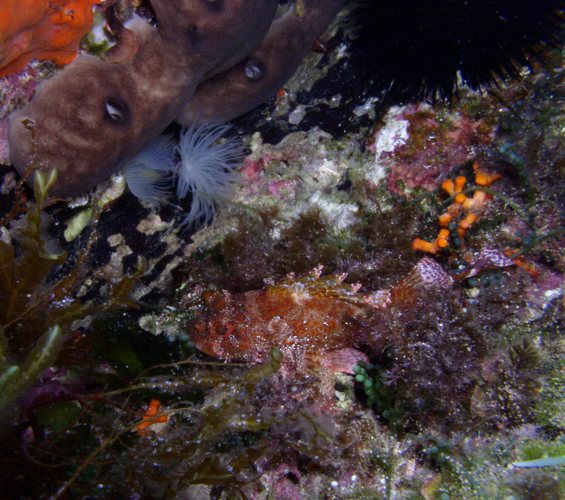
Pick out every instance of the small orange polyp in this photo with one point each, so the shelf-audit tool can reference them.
(460, 198)
(449, 186)
(151, 417)
(460, 182)
(483, 178)
(443, 233)
(445, 219)
(468, 221)
(477, 201)
(424, 246)
(442, 240)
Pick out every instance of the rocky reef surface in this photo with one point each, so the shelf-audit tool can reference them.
(449, 393)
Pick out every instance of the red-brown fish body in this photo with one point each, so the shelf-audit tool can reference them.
(308, 315)
(318, 317)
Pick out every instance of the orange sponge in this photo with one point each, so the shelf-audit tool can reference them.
(41, 29)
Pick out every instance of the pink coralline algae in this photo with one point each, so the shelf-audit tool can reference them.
(427, 144)
(15, 90)
(4, 151)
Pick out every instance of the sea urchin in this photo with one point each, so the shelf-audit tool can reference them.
(418, 49)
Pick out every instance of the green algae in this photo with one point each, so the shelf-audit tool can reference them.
(77, 224)
(42, 313)
(379, 395)
(30, 305)
(211, 443)
(15, 379)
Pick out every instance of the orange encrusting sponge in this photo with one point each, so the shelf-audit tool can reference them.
(41, 29)
(151, 417)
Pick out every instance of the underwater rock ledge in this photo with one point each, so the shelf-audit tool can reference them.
(457, 394)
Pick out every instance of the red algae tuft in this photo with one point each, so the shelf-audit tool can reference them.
(420, 144)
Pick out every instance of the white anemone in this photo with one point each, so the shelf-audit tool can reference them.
(149, 175)
(206, 169)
